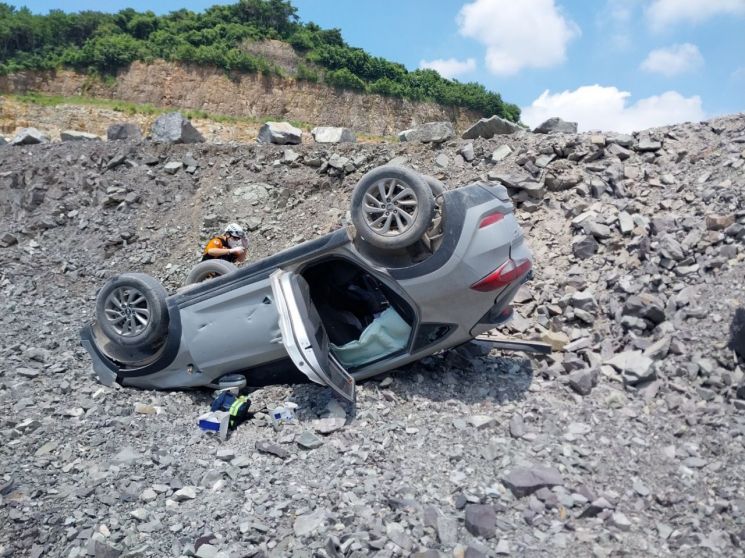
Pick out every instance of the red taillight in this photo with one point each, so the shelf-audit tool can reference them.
(503, 275)
(490, 219)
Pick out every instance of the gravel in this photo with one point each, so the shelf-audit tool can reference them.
(628, 439)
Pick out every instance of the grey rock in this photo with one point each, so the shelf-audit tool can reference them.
(265, 446)
(126, 456)
(620, 521)
(8, 239)
(500, 153)
(185, 493)
(490, 127)
(624, 140)
(29, 136)
(331, 134)
(582, 381)
(442, 161)
(281, 133)
(306, 524)
(625, 223)
(467, 152)
(308, 440)
(523, 481)
(584, 247)
(206, 551)
(646, 144)
(447, 530)
(634, 366)
(290, 156)
(123, 131)
(517, 426)
(480, 421)
(172, 127)
(671, 248)
(172, 167)
(328, 425)
(647, 306)
(481, 520)
(429, 132)
(102, 549)
(72, 135)
(556, 124)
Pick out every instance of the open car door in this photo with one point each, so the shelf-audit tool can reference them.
(303, 334)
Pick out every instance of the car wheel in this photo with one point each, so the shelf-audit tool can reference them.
(131, 311)
(392, 207)
(209, 269)
(435, 186)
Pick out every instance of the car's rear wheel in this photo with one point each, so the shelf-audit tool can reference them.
(131, 312)
(392, 207)
(209, 269)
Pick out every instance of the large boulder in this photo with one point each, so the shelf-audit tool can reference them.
(73, 135)
(28, 136)
(430, 132)
(331, 134)
(282, 133)
(556, 124)
(123, 131)
(490, 127)
(172, 127)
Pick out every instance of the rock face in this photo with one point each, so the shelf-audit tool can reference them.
(490, 127)
(174, 128)
(430, 132)
(281, 133)
(123, 131)
(29, 136)
(72, 135)
(331, 134)
(192, 87)
(556, 124)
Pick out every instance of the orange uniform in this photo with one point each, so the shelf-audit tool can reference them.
(218, 242)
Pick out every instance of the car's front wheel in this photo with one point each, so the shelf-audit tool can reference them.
(131, 312)
(392, 207)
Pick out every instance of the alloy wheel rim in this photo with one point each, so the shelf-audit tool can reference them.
(390, 207)
(127, 311)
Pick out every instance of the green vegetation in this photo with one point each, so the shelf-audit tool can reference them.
(100, 44)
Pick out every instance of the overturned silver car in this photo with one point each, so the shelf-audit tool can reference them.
(422, 269)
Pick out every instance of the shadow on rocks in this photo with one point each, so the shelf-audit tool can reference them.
(469, 380)
(737, 333)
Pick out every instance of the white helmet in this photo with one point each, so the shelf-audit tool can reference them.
(234, 229)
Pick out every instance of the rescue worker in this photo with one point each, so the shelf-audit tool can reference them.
(230, 246)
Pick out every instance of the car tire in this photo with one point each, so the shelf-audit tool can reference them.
(131, 311)
(392, 207)
(209, 269)
(435, 186)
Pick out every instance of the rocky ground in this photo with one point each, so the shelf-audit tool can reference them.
(628, 440)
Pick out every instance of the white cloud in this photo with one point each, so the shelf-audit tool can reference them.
(665, 13)
(449, 67)
(739, 73)
(595, 107)
(517, 34)
(674, 60)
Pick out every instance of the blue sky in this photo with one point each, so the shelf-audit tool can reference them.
(608, 64)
